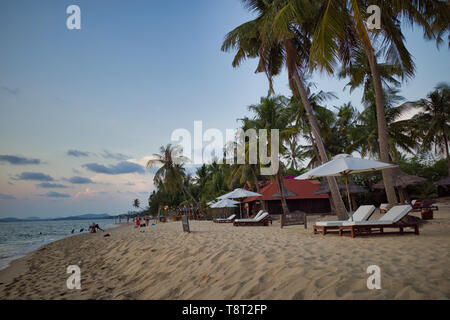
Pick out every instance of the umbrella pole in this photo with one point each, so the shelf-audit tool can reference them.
(240, 210)
(348, 196)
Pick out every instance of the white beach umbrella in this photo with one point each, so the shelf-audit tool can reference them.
(239, 193)
(225, 203)
(341, 166)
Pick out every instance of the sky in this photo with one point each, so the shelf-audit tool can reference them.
(81, 111)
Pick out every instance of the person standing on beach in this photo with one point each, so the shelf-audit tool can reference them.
(138, 222)
(147, 220)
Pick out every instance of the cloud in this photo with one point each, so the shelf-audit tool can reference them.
(80, 180)
(78, 153)
(6, 197)
(18, 160)
(35, 176)
(51, 185)
(116, 156)
(53, 194)
(11, 91)
(89, 193)
(120, 168)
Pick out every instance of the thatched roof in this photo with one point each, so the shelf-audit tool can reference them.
(401, 179)
(353, 187)
(443, 182)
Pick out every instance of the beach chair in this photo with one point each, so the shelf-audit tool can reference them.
(426, 208)
(230, 219)
(362, 214)
(392, 219)
(263, 220)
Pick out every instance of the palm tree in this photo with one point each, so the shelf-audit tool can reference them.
(247, 171)
(400, 134)
(294, 153)
(433, 122)
(342, 28)
(136, 203)
(287, 46)
(273, 113)
(171, 176)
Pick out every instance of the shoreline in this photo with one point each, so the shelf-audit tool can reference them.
(19, 266)
(217, 261)
(33, 246)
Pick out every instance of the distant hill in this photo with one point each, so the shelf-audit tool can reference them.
(9, 219)
(87, 216)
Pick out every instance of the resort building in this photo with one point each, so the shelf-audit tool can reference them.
(300, 195)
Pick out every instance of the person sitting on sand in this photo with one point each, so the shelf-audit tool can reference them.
(93, 227)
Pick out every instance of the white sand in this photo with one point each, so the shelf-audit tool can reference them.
(219, 261)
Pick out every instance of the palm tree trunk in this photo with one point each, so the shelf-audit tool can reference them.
(448, 155)
(335, 194)
(255, 179)
(316, 153)
(280, 184)
(382, 126)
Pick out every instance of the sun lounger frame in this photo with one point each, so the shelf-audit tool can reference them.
(359, 230)
(263, 222)
(324, 229)
(225, 220)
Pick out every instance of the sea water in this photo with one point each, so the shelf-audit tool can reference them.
(20, 237)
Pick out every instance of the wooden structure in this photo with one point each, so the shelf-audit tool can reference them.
(294, 218)
(372, 229)
(401, 180)
(185, 223)
(426, 208)
(300, 196)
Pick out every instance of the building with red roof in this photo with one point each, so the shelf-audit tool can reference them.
(300, 196)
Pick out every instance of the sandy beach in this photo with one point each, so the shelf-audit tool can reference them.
(219, 261)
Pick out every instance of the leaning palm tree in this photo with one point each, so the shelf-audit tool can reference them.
(290, 48)
(342, 28)
(171, 176)
(433, 122)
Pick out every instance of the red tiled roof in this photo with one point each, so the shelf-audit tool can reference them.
(304, 189)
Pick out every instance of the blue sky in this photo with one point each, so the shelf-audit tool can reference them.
(114, 91)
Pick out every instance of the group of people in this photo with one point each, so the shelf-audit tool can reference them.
(141, 224)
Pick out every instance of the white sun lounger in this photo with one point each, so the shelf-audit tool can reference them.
(262, 220)
(390, 220)
(362, 214)
(227, 220)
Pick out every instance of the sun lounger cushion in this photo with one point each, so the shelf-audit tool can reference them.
(394, 215)
(363, 213)
(229, 218)
(262, 216)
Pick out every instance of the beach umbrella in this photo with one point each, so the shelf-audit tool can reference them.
(401, 180)
(238, 194)
(225, 203)
(443, 182)
(342, 166)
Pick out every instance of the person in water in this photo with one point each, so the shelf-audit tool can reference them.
(93, 227)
